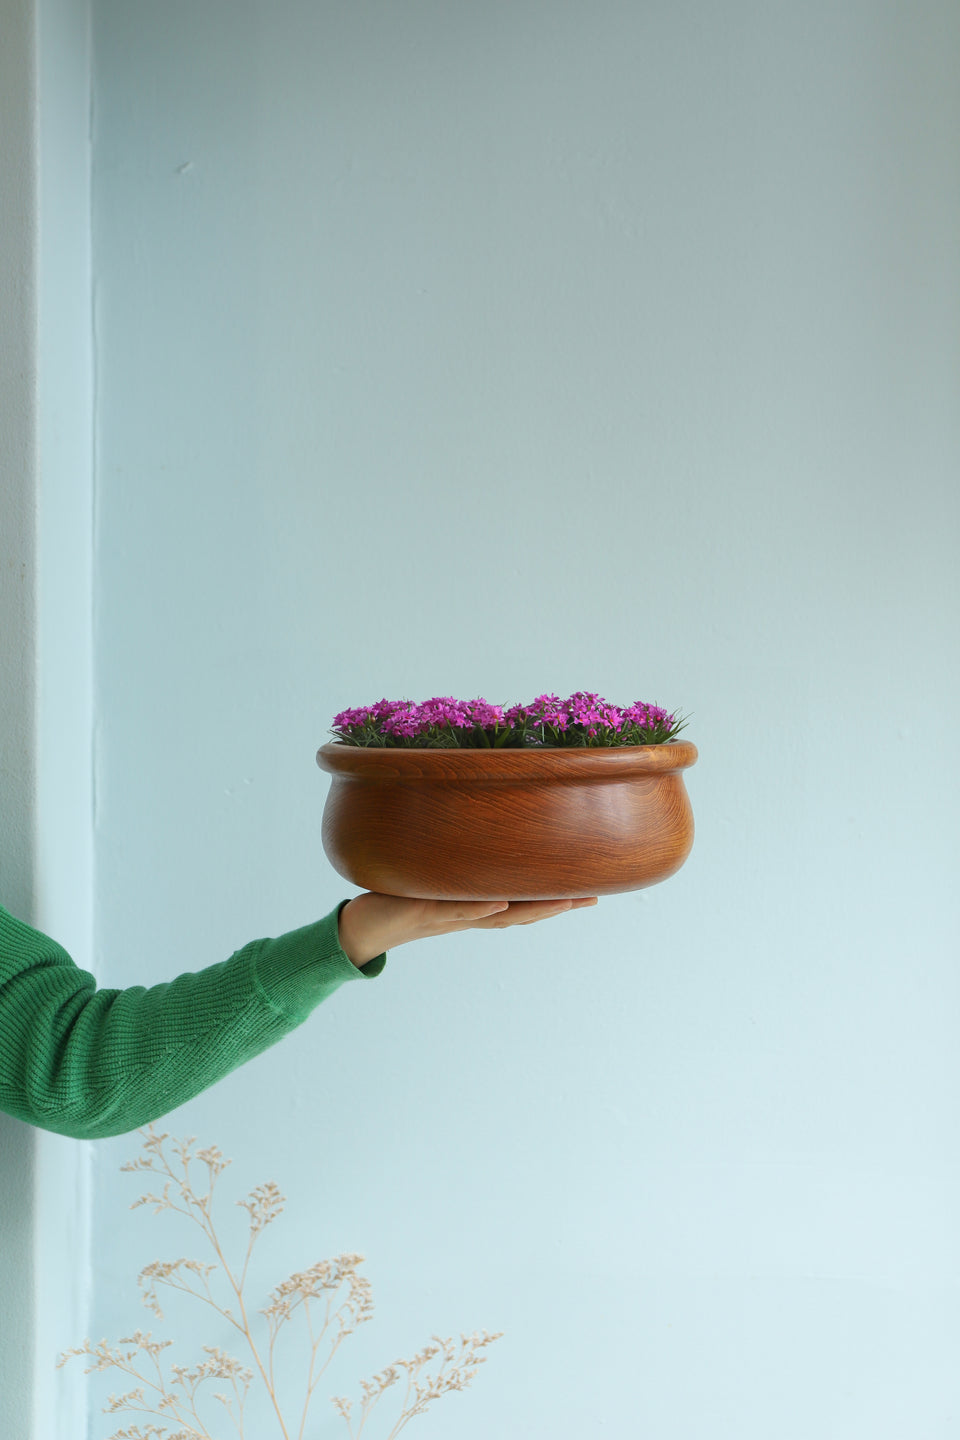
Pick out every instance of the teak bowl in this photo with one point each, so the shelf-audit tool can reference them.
(507, 824)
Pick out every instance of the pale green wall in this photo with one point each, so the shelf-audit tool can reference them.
(492, 348)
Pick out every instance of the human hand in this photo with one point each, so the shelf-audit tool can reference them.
(372, 923)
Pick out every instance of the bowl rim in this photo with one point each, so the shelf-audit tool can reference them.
(374, 762)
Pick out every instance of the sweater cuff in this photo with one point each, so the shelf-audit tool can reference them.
(298, 970)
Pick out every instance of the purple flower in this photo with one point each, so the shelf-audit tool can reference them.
(647, 716)
(585, 718)
(443, 710)
(351, 717)
(484, 714)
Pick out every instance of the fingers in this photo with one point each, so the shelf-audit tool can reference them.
(528, 912)
(442, 917)
(539, 910)
(473, 909)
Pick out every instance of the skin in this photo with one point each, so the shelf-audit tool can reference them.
(371, 923)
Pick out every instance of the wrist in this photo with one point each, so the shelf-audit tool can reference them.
(355, 939)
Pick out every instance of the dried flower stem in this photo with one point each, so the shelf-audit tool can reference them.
(263, 1205)
(176, 1400)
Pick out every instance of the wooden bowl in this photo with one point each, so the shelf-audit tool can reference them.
(507, 824)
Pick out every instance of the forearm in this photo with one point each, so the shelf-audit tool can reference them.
(90, 1063)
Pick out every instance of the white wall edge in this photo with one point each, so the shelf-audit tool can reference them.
(18, 326)
(64, 706)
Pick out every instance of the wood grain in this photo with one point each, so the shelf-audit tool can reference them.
(507, 824)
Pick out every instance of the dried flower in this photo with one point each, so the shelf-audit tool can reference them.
(333, 1298)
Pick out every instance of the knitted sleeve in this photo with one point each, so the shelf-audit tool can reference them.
(92, 1062)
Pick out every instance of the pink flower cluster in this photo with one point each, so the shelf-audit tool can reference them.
(591, 713)
(444, 722)
(404, 719)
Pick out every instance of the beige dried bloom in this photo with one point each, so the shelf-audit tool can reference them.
(372, 1389)
(170, 1273)
(214, 1160)
(153, 1432)
(122, 1402)
(263, 1205)
(324, 1277)
(456, 1370)
(106, 1357)
(329, 1300)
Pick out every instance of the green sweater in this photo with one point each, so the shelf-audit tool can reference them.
(90, 1063)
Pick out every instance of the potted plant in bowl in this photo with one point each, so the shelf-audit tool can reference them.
(464, 800)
